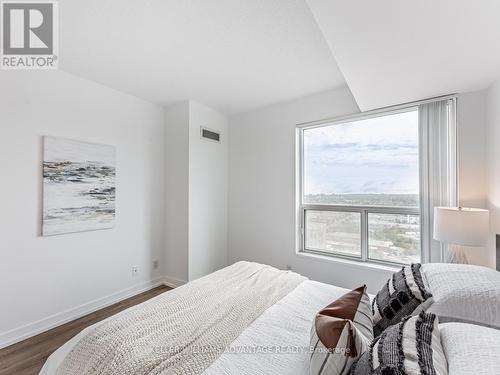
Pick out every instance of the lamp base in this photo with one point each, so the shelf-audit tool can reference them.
(456, 255)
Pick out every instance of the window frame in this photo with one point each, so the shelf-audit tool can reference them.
(363, 210)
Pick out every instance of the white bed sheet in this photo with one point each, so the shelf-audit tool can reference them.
(275, 343)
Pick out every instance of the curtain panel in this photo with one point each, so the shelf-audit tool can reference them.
(438, 169)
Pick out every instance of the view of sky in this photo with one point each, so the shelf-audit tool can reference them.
(371, 156)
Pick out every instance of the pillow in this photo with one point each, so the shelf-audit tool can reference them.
(341, 332)
(412, 347)
(465, 293)
(471, 349)
(404, 294)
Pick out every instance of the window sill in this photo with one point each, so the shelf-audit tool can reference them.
(353, 263)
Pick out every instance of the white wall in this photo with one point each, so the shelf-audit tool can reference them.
(177, 193)
(493, 159)
(45, 280)
(196, 193)
(472, 149)
(472, 184)
(208, 171)
(262, 186)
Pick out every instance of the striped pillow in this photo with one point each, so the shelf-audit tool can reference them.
(404, 294)
(412, 347)
(342, 331)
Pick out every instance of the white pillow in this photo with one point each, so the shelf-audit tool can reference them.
(464, 293)
(471, 349)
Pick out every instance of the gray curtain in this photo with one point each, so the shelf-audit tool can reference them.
(438, 169)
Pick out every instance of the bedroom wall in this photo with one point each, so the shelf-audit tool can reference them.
(472, 149)
(472, 184)
(196, 193)
(176, 193)
(45, 281)
(493, 159)
(208, 173)
(262, 185)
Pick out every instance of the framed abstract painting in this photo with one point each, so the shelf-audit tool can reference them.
(78, 186)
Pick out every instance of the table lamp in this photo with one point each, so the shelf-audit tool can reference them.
(460, 226)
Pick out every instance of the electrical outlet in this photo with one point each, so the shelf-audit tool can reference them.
(135, 271)
(155, 264)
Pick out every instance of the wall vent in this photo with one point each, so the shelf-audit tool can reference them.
(210, 135)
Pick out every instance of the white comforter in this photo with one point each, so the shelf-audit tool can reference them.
(277, 342)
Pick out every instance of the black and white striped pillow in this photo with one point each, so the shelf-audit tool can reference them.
(341, 332)
(404, 294)
(412, 347)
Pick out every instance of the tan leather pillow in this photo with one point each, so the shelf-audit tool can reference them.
(341, 332)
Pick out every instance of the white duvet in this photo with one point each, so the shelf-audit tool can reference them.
(277, 342)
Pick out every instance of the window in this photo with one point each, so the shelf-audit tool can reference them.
(360, 188)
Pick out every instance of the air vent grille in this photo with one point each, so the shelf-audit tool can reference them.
(211, 135)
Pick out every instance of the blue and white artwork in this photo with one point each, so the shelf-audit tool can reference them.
(78, 186)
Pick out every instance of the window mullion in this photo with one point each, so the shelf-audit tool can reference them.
(364, 235)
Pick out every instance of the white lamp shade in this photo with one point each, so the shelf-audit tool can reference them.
(461, 226)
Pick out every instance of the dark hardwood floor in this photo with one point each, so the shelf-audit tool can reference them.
(27, 357)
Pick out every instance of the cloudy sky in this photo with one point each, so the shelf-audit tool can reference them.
(378, 155)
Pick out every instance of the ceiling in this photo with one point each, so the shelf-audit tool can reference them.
(238, 55)
(397, 51)
(233, 55)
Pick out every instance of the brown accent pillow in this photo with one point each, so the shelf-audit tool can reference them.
(342, 331)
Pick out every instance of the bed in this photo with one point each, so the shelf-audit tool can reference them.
(247, 318)
(276, 342)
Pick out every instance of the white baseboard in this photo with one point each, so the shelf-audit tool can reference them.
(173, 282)
(21, 333)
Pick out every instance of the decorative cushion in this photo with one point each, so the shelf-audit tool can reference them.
(342, 331)
(471, 349)
(404, 294)
(464, 293)
(412, 347)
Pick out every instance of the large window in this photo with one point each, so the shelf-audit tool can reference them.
(359, 188)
